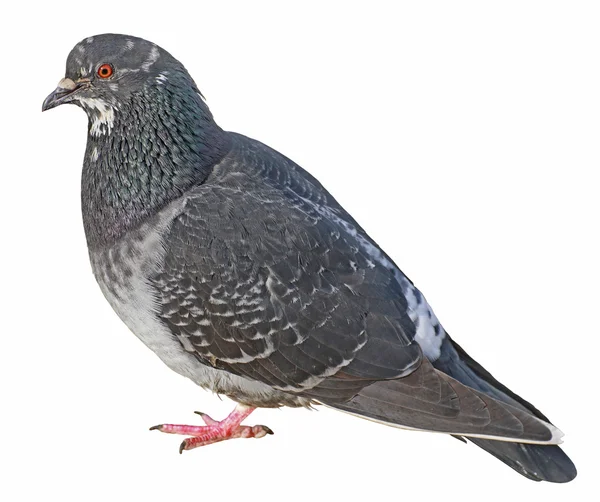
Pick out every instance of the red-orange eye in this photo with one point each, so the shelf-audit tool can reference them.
(105, 71)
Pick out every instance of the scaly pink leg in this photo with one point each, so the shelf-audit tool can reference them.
(214, 431)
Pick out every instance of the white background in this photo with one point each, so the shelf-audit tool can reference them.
(462, 135)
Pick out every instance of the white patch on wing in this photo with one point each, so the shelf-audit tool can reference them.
(102, 115)
(95, 154)
(429, 332)
(246, 358)
(216, 301)
(248, 311)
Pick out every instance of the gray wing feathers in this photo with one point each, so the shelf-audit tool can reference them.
(258, 282)
(430, 400)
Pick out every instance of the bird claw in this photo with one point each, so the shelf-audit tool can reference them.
(208, 420)
(215, 431)
(260, 431)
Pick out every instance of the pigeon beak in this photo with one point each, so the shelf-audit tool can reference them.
(66, 87)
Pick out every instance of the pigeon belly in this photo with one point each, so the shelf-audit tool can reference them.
(124, 271)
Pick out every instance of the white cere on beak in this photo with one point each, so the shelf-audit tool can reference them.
(67, 84)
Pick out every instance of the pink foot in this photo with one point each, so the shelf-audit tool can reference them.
(214, 431)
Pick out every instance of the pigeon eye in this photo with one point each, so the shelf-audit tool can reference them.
(105, 71)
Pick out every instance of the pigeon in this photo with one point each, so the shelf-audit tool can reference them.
(242, 273)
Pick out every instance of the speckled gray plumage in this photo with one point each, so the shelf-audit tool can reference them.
(242, 273)
(258, 281)
(162, 142)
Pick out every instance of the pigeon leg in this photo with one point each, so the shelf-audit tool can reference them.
(214, 431)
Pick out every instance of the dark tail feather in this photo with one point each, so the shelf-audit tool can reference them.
(536, 462)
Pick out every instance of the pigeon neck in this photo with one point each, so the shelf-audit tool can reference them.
(159, 143)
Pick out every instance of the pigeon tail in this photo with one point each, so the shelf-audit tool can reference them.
(534, 461)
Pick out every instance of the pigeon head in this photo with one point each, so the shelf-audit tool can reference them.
(151, 135)
(103, 72)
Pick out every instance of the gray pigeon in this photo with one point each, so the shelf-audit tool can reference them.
(242, 273)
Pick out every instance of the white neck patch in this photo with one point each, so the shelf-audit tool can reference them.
(103, 115)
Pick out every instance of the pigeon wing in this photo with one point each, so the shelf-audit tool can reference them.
(259, 282)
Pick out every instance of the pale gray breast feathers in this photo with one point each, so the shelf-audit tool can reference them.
(124, 272)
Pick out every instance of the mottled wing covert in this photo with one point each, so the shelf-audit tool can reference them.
(260, 282)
